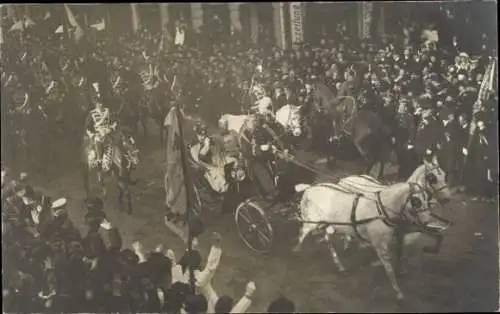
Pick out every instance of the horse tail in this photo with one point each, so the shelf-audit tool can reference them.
(301, 187)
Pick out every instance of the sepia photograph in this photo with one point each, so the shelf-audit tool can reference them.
(250, 157)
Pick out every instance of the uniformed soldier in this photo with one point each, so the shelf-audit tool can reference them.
(99, 129)
(449, 152)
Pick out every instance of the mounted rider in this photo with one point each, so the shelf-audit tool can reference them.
(100, 128)
(264, 104)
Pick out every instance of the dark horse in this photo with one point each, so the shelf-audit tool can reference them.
(364, 127)
(372, 138)
(154, 104)
(124, 157)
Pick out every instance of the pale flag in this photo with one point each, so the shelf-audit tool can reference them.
(60, 29)
(78, 33)
(28, 22)
(99, 26)
(18, 26)
(175, 188)
(179, 36)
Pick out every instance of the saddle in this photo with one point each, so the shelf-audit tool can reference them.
(364, 185)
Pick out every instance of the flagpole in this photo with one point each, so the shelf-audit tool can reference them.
(188, 187)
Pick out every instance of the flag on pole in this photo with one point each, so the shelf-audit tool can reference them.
(18, 26)
(178, 188)
(174, 178)
(29, 22)
(59, 29)
(99, 26)
(78, 33)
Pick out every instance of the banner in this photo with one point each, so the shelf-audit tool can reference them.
(297, 22)
(78, 31)
(174, 181)
(366, 19)
(135, 17)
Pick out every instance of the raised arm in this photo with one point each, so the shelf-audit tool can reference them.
(206, 275)
(245, 302)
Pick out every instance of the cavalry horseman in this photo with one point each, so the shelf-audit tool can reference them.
(99, 129)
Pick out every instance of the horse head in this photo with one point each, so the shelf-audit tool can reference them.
(130, 149)
(414, 207)
(418, 210)
(433, 179)
(289, 117)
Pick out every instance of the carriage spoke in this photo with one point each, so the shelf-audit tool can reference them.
(246, 218)
(254, 228)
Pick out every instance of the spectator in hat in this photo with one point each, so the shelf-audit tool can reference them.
(480, 175)
(428, 134)
(450, 149)
(405, 137)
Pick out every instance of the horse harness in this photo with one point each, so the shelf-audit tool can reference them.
(382, 211)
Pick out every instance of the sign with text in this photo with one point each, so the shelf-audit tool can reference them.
(297, 21)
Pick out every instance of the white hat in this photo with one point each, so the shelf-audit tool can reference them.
(59, 203)
(96, 87)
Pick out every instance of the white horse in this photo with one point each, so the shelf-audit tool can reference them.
(289, 117)
(233, 122)
(429, 176)
(373, 219)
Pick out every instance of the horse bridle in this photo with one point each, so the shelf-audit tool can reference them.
(427, 173)
(414, 189)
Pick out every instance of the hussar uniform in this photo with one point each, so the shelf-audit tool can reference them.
(99, 129)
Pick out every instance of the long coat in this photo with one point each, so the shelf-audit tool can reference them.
(428, 137)
(450, 152)
(480, 159)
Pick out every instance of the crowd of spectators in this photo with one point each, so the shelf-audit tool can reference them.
(48, 265)
(47, 83)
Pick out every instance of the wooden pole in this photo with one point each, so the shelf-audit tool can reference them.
(188, 187)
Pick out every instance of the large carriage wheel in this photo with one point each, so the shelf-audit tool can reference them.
(253, 226)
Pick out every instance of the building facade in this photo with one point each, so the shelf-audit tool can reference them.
(278, 23)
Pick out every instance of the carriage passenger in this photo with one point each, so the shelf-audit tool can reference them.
(204, 142)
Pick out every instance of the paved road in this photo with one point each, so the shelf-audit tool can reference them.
(463, 277)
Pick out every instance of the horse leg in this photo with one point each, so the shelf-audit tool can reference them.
(100, 178)
(129, 200)
(161, 129)
(399, 248)
(437, 247)
(381, 169)
(86, 180)
(304, 231)
(381, 244)
(120, 196)
(333, 251)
